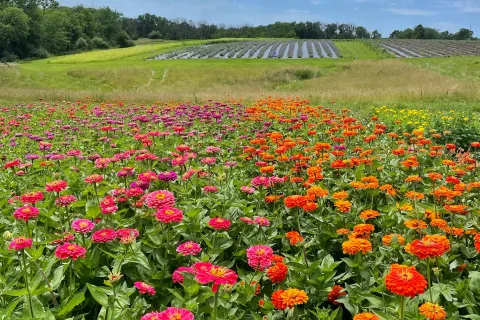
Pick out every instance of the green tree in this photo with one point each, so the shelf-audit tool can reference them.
(14, 30)
(376, 34)
(463, 34)
(362, 33)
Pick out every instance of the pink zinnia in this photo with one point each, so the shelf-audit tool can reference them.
(94, 178)
(32, 197)
(177, 275)
(104, 235)
(174, 313)
(247, 220)
(56, 186)
(209, 160)
(20, 243)
(70, 250)
(247, 189)
(260, 257)
(127, 236)
(260, 181)
(147, 176)
(83, 225)
(144, 288)
(219, 223)
(66, 200)
(26, 213)
(134, 192)
(189, 248)
(210, 189)
(262, 221)
(167, 215)
(159, 199)
(207, 272)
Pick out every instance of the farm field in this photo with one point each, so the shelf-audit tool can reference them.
(293, 49)
(364, 76)
(429, 48)
(271, 209)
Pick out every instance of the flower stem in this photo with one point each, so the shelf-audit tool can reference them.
(26, 283)
(429, 280)
(401, 310)
(215, 305)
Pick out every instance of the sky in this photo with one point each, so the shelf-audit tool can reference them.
(383, 15)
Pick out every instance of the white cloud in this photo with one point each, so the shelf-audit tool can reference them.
(410, 12)
(463, 5)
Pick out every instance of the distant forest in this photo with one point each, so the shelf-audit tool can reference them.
(40, 28)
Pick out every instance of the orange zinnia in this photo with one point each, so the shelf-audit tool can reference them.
(366, 316)
(343, 205)
(295, 201)
(293, 297)
(415, 224)
(369, 214)
(405, 281)
(355, 246)
(432, 311)
(430, 246)
(294, 237)
(363, 228)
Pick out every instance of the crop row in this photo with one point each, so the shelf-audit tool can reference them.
(429, 48)
(294, 49)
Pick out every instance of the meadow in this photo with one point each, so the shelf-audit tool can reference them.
(364, 76)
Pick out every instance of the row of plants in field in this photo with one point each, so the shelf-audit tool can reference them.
(429, 48)
(258, 49)
(277, 209)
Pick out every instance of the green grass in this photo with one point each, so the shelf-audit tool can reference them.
(126, 74)
(122, 53)
(463, 68)
(356, 50)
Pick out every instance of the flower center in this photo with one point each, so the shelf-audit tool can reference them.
(160, 196)
(260, 251)
(71, 248)
(176, 316)
(83, 224)
(405, 275)
(218, 272)
(169, 212)
(220, 220)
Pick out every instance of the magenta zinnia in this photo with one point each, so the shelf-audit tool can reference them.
(160, 199)
(260, 257)
(70, 250)
(207, 272)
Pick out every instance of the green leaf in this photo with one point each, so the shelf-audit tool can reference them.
(384, 316)
(75, 301)
(98, 294)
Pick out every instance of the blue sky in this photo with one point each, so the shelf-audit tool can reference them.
(384, 15)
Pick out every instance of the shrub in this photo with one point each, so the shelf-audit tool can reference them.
(99, 43)
(124, 41)
(155, 35)
(81, 44)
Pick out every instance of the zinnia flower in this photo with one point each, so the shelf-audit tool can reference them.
(20, 243)
(336, 292)
(432, 311)
(104, 235)
(405, 281)
(159, 199)
(294, 237)
(66, 200)
(294, 297)
(260, 257)
(70, 250)
(207, 272)
(56, 186)
(32, 197)
(189, 248)
(144, 288)
(83, 225)
(167, 215)
(278, 272)
(366, 316)
(430, 246)
(356, 245)
(277, 300)
(174, 313)
(26, 213)
(219, 223)
(177, 275)
(295, 201)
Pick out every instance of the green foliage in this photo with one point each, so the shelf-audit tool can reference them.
(155, 35)
(99, 43)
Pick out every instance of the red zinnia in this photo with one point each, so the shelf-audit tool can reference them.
(56, 186)
(104, 235)
(405, 281)
(70, 250)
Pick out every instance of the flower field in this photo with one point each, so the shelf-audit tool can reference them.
(294, 49)
(276, 209)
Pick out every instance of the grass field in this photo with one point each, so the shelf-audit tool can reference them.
(126, 74)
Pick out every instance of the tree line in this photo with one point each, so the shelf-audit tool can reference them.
(421, 32)
(39, 28)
